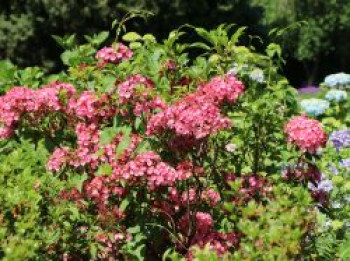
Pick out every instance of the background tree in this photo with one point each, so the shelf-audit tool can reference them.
(319, 48)
(26, 26)
(320, 44)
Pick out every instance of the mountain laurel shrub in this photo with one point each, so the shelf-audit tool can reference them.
(142, 151)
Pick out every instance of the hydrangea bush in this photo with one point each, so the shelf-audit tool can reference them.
(336, 96)
(331, 238)
(331, 104)
(314, 107)
(337, 80)
(142, 151)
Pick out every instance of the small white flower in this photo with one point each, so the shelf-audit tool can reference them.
(336, 205)
(328, 223)
(231, 147)
(257, 75)
(236, 68)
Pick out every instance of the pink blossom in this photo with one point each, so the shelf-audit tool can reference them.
(111, 55)
(218, 242)
(149, 167)
(305, 133)
(97, 189)
(211, 196)
(189, 118)
(197, 115)
(221, 88)
(21, 101)
(57, 159)
(188, 197)
(204, 222)
(127, 89)
(89, 106)
(136, 91)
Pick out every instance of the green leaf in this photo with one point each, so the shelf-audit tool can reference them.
(131, 37)
(104, 170)
(134, 230)
(235, 37)
(68, 57)
(59, 40)
(123, 145)
(126, 130)
(78, 181)
(114, 23)
(135, 45)
(205, 35)
(138, 122)
(200, 45)
(101, 37)
(344, 250)
(125, 203)
(274, 49)
(149, 37)
(337, 224)
(142, 147)
(93, 250)
(66, 42)
(107, 135)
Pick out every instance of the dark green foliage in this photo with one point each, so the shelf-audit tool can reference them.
(317, 35)
(26, 26)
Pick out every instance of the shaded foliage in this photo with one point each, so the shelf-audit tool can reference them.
(26, 26)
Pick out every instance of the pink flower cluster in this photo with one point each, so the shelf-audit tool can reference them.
(211, 196)
(221, 89)
(203, 223)
(189, 118)
(111, 55)
(204, 234)
(57, 159)
(217, 241)
(198, 114)
(90, 107)
(305, 133)
(178, 201)
(127, 89)
(149, 167)
(251, 187)
(111, 243)
(136, 91)
(22, 101)
(89, 152)
(90, 155)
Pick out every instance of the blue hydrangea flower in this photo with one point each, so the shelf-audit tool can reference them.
(340, 139)
(336, 95)
(337, 80)
(314, 107)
